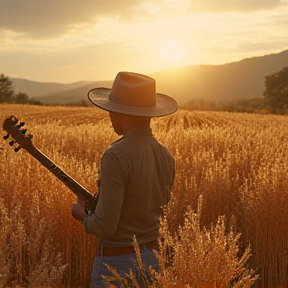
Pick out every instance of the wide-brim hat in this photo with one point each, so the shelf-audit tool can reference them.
(133, 94)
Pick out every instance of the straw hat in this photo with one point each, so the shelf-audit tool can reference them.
(133, 94)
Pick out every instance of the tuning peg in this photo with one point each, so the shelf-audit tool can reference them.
(11, 143)
(23, 131)
(17, 148)
(29, 136)
(14, 119)
(6, 136)
(21, 124)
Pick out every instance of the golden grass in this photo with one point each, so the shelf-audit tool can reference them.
(237, 163)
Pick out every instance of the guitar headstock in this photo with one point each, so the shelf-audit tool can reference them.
(15, 129)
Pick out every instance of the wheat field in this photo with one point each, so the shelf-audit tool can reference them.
(226, 223)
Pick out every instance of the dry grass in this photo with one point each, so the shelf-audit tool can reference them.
(195, 257)
(237, 163)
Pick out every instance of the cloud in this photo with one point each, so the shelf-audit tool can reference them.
(51, 19)
(249, 47)
(236, 5)
(43, 18)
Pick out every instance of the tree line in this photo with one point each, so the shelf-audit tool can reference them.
(274, 99)
(7, 94)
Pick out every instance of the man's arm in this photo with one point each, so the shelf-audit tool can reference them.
(104, 221)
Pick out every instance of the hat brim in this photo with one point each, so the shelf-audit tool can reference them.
(165, 105)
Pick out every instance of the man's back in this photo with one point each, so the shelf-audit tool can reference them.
(137, 173)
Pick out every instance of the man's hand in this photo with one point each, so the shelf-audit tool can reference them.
(78, 210)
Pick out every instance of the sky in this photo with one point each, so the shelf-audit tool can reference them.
(66, 41)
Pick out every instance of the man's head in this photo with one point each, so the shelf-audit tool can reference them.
(122, 122)
(133, 94)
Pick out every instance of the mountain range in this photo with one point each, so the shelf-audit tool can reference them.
(242, 79)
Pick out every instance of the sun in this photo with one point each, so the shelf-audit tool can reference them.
(172, 50)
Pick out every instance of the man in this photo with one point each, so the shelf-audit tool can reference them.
(136, 176)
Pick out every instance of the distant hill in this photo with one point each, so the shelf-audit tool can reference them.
(241, 79)
(245, 78)
(37, 89)
(72, 95)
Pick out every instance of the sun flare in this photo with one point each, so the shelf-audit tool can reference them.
(172, 50)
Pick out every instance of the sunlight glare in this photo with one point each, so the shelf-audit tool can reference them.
(172, 50)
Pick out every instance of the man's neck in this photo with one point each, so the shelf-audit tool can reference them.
(129, 123)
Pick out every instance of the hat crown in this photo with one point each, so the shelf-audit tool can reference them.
(133, 89)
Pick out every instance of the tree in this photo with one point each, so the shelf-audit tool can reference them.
(6, 90)
(276, 92)
(21, 98)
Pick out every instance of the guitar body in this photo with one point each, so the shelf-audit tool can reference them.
(15, 129)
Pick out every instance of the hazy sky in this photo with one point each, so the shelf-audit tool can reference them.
(71, 40)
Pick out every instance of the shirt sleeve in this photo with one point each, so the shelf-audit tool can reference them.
(103, 222)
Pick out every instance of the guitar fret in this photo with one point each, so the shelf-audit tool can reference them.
(18, 136)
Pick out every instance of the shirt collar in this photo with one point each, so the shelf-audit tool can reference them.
(143, 130)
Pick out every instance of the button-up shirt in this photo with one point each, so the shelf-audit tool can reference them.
(136, 176)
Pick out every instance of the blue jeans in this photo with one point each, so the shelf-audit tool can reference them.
(122, 264)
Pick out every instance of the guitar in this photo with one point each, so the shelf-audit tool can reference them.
(15, 130)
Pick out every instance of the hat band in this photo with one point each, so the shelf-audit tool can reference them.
(129, 103)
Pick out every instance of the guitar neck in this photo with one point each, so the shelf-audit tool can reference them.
(67, 180)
